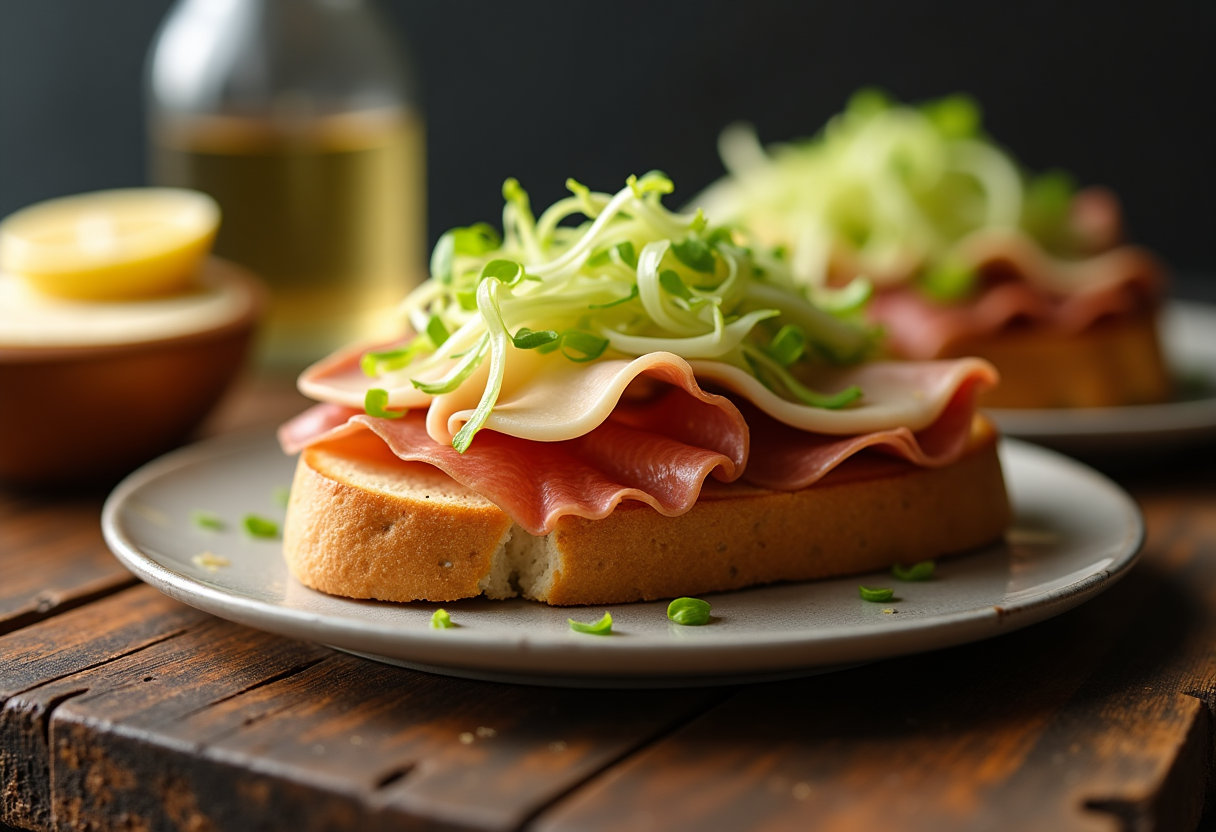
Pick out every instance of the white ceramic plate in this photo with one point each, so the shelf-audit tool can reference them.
(1188, 332)
(1075, 533)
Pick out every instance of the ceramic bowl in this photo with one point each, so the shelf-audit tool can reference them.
(114, 385)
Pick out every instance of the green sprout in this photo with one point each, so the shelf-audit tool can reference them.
(602, 627)
(691, 612)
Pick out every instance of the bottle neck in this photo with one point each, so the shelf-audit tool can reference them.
(290, 62)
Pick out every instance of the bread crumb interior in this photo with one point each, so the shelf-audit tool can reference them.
(523, 565)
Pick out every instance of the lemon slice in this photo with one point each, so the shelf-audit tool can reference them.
(111, 245)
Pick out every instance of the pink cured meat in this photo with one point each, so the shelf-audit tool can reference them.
(626, 458)
(785, 459)
(919, 328)
(658, 451)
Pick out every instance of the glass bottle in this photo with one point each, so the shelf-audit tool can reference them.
(298, 117)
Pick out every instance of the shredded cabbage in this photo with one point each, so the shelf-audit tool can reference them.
(888, 191)
(630, 279)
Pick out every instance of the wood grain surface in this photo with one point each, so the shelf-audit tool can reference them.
(122, 709)
(1098, 719)
(52, 557)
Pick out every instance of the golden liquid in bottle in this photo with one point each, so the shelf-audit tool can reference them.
(330, 212)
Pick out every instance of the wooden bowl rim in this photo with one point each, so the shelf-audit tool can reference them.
(256, 298)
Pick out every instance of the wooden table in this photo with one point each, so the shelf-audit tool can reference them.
(125, 710)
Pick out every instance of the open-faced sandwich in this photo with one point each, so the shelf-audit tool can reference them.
(968, 254)
(635, 407)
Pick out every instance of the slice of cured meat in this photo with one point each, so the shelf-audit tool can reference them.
(538, 482)
(1021, 285)
(659, 443)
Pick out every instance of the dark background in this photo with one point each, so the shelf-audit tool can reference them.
(1119, 93)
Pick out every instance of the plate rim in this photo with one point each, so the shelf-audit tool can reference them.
(748, 655)
(1092, 425)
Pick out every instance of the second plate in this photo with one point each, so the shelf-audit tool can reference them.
(1188, 332)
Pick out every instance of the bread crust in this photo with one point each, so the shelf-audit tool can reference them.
(364, 524)
(1115, 362)
(356, 527)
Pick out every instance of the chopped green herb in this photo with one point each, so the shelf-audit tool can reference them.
(627, 254)
(526, 339)
(260, 526)
(694, 254)
(1050, 193)
(436, 331)
(922, 571)
(440, 620)
(512, 191)
(477, 238)
(585, 346)
(788, 345)
(586, 201)
(375, 402)
(625, 251)
(1046, 207)
(948, 281)
(281, 495)
(691, 612)
(653, 182)
(955, 116)
(876, 595)
(600, 258)
(508, 271)
(376, 363)
(208, 520)
(578, 189)
(600, 628)
(467, 299)
(472, 241)
(673, 285)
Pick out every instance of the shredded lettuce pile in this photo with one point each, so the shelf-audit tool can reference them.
(896, 186)
(629, 279)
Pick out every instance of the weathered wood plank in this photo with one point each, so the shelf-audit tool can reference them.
(166, 680)
(1087, 722)
(1136, 740)
(347, 744)
(52, 557)
(58, 649)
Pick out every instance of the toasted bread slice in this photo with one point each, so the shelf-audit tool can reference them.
(1116, 362)
(364, 524)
